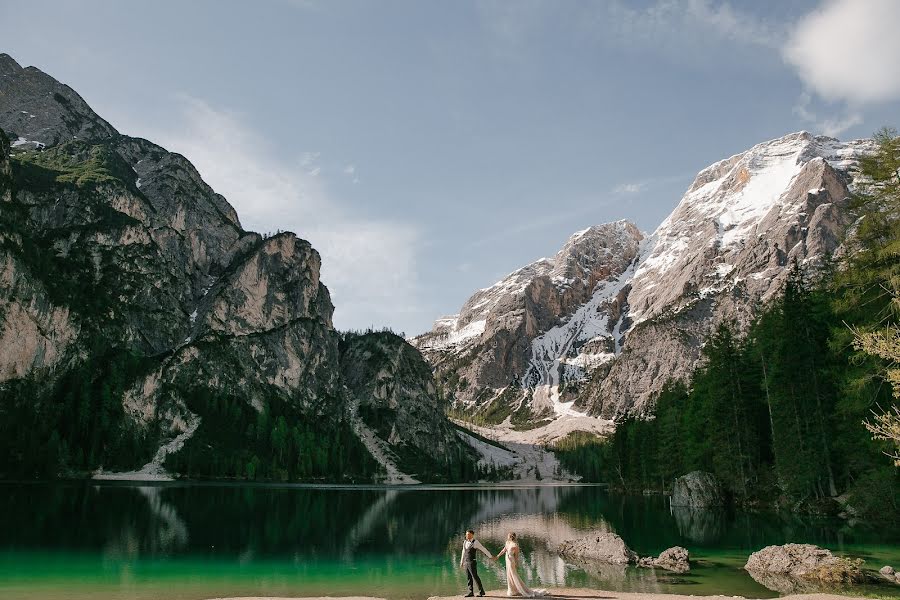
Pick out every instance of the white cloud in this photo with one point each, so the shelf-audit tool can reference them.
(630, 188)
(368, 265)
(849, 50)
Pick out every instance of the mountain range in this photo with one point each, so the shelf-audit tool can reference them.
(591, 335)
(146, 333)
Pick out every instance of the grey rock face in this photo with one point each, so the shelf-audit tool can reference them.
(395, 396)
(697, 489)
(38, 110)
(603, 546)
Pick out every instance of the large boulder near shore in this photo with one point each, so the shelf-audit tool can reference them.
(794, 567)
(600, 546)
(697, 489)
(676, 559)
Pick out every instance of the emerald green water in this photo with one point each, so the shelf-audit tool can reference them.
(192, 541)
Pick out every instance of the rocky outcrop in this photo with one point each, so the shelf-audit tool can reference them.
(397, 410)
(606, 547)
(697, 489)
(676, 559)
(796, 567)
(37, 110)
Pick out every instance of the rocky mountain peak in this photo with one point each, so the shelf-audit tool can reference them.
(730, 206)
(8, 65)
(628, 314)
(55, 113)
(504, 336)
(588, 253)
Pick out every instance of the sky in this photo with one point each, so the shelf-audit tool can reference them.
(428, 148)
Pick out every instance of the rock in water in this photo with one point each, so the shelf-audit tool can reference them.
(697, 489)
(890, 574)
(675, 559)
(604, 547)
(796, 560)
(795, 567)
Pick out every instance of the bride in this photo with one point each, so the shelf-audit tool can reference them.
(514, 584)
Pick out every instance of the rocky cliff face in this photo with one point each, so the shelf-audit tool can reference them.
(610, 346)
(396, 409)
(726, 249)
(112, 245)
(514, 345)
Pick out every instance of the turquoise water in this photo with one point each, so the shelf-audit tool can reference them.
(191, 541)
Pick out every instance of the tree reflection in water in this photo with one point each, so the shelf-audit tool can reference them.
(394, 526)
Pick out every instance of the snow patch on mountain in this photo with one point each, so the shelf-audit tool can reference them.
(557, 355)
(734, 196)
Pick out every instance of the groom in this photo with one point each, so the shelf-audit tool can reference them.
(467, 562)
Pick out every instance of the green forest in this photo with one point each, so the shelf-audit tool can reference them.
(799, 412)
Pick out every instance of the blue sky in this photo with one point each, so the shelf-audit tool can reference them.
(429, 148)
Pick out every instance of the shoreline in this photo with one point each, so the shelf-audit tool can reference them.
(481, 485)
(567, 593)
(570, 594)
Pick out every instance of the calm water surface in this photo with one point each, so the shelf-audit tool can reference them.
(194, 541)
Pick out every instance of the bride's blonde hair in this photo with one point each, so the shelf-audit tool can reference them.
(512, 537)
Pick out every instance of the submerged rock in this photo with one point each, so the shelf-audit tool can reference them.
(602, 546)
(697, 489)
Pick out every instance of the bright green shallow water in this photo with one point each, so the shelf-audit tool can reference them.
(192, 541)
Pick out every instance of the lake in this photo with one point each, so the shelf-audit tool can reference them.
(78, 540)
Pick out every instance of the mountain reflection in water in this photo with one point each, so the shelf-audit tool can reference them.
(388, 538)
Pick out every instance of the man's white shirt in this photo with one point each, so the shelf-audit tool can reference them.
(468, 544)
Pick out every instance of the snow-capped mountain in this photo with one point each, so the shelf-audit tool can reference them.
(642, 318)
(544, 324)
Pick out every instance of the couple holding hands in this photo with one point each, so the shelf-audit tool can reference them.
(514, 584)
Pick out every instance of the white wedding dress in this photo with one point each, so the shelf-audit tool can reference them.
(514, 584)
